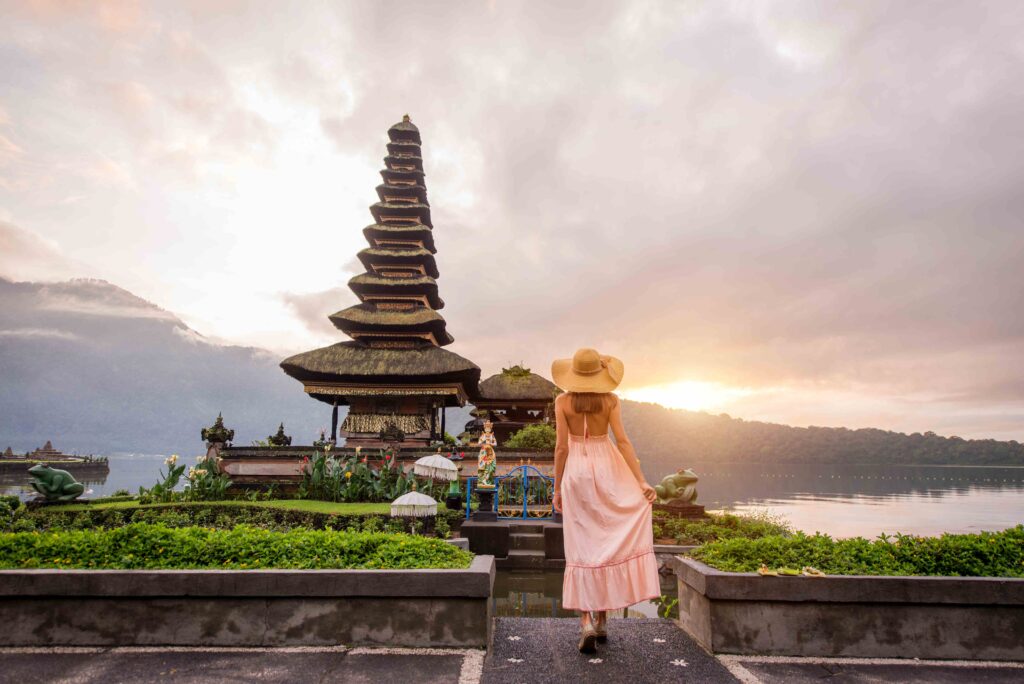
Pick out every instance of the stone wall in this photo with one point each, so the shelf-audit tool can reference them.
(247, 607)
(974, 618)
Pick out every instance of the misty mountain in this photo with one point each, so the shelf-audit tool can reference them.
(99, 370)
(665, 439)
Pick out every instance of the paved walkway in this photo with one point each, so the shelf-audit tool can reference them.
(543, 650)
(242, 665)
(525, 651)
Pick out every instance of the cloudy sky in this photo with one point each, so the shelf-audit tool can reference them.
(803, 212)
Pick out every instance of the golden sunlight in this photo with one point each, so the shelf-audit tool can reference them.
(692, 395)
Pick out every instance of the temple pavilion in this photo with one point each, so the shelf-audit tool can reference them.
(513, 399)
(394, 374)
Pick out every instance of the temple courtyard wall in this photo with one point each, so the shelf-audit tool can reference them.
(394, 608)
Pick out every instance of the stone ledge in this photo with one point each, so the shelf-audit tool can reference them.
(749, 586)
(247, 607)
(472, 582)
(969, 618)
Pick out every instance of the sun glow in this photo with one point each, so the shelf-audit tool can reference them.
(692, 395)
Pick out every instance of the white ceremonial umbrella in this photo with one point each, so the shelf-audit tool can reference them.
(436, 467)
(414, 504)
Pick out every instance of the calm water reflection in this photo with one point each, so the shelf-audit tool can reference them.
(539, 594)
(851, 500)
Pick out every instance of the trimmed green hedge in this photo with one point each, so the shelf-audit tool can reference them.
(143, 546)
(988, 554)
(226, 515)
(716, 527)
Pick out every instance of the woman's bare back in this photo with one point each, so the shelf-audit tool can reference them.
(596, 423)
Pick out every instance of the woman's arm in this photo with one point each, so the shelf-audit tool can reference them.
(626, 447)
(561, 449)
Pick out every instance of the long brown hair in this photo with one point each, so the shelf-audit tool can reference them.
(588, 402)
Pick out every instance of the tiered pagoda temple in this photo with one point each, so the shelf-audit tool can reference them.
(393, 375)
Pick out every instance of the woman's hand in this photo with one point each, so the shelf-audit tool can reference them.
(557, 502)
(649, 492)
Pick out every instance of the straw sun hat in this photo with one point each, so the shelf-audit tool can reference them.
(587, 371)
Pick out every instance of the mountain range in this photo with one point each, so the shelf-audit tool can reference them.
(99, 370)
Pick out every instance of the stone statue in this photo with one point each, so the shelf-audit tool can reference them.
(678, 488)
(217, 433)
(55, 485)
(486, 461)
(280, 439)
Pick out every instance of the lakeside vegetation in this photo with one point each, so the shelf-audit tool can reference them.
(715, 527)
(279, 515)
(986, 554)
(148, 546)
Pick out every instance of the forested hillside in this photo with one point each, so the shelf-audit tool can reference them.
(671, 437)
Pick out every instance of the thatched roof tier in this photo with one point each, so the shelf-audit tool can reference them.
(415, 232)
(368, 317)
(512, 385)
(412, 192)
(404, 147)
(367, 284)
(396, 177)
(399, 212)
(405, 130)
(401, 161)
(351, 363)
(416, 256)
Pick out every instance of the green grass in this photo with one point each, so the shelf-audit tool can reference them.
(146, 546)
(306, 505)
(987, 554)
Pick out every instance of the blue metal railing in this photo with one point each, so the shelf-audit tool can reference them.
(532, 484)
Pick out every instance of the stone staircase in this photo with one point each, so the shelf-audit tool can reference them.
(526, 549)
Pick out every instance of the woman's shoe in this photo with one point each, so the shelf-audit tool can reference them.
(588, 639)
(600, 627)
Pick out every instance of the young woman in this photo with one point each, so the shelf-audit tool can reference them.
(602, 495)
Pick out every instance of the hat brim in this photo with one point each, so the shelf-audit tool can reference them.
(604, 381)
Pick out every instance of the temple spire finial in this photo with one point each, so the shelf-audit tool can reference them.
(406, 119)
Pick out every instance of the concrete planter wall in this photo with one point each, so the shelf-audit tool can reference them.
(976, 618)
(247, 607)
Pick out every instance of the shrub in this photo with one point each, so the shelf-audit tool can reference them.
(145, 546)
(330, 478)
(221, 516)
(988, 554)
(716, 527)
(537, 436)
(11, 500)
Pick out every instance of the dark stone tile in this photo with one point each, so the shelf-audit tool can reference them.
(546, 648)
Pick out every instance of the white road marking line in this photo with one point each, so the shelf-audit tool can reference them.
(725, 659)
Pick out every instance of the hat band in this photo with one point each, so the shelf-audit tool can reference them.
(604, 364)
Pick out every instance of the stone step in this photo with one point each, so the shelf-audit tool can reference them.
(526, 528)
(521, 559)
(534, 542)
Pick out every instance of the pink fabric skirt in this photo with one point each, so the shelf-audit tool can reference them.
(606, 523)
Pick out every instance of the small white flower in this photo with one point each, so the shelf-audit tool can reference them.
(200, 458)
(658, 641)
(595, 660)
(171, 460)
(679, 662)
(515, 660)
(513, 638)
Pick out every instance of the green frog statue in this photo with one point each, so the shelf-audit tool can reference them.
(55, 485)
(678, 488)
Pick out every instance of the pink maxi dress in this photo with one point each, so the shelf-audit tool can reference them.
(606, 525)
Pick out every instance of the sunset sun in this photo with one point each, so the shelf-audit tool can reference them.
(692, 395)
